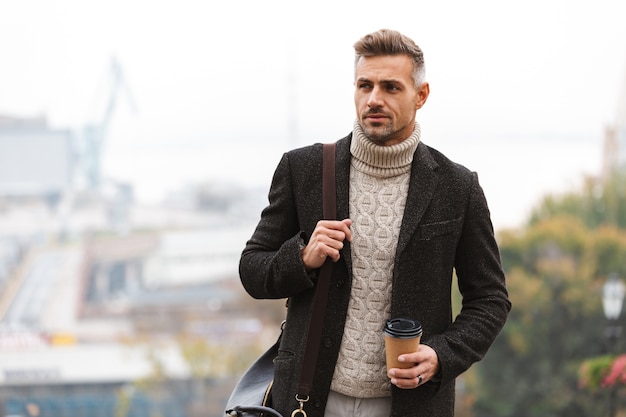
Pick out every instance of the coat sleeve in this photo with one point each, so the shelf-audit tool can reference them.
(481, 280)
(270, 265)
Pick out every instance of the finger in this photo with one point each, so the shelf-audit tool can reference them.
(334, 226)
(323, 245)
(409, 378)
(407, 383)
(348, 231)
(336, 234)
(332, 251)
(316, 253)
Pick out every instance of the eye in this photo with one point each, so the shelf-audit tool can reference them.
(364, 86)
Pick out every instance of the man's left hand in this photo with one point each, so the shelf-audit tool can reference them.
(426, 367)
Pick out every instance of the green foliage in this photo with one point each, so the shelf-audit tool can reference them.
(593, 371)
(555, 269)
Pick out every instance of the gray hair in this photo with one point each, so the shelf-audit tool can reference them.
(390, 42)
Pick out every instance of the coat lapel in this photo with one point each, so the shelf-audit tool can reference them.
(422, 185)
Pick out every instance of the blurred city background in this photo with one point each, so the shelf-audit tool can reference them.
(137, 144)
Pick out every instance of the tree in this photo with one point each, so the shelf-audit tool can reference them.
(555, 269)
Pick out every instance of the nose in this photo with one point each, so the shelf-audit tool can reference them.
(375, 98)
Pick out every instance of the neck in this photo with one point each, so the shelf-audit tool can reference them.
(379, 160)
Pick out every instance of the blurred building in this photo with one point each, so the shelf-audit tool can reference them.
(35, 160)
(96, 290)
(88, 323)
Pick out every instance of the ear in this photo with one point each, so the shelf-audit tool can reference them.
(422, 95)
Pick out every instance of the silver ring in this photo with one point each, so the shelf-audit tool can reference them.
(419, 380)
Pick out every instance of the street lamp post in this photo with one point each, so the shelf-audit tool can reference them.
(612, 300)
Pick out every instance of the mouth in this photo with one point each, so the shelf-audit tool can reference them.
(376, 117)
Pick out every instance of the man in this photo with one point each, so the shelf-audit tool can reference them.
(408, 218)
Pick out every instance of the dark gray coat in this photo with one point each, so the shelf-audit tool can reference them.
(446, 227)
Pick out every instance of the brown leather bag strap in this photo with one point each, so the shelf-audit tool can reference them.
(329, 204)
(329, 196)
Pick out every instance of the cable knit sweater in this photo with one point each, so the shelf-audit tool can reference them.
(379, 181)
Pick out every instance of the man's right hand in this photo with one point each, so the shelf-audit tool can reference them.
(326, 241)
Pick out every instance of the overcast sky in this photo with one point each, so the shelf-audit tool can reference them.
(521, 92)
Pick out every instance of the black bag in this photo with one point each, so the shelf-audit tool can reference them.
(254, 388)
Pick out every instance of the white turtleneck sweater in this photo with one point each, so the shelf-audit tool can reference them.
(379, 183)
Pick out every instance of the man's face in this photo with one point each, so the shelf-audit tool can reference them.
(386, 98)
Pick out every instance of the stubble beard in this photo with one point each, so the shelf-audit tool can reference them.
(380, 134)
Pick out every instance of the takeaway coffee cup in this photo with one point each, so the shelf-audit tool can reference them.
(402, 335)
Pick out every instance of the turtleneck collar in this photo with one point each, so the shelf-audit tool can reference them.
(382, 161)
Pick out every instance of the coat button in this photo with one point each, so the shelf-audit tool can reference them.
(339, 283)
(327, 343)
